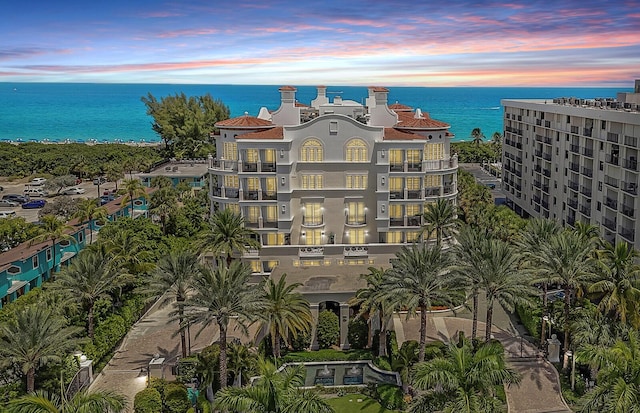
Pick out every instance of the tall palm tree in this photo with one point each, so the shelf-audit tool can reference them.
(477, 136)
(134, 190)
(83, 401)
(468, 260)
(172, 280)
(35, 338)
(220, 294)
(374, 302)
(532, 239)
(564, 260)
(273, 391)
(503, 279)
(440, 218)
(89, 278)
(228, 234)
(419, 278)
(618, 284)
(89, 210)
(285, 312)
(162, 202)
(618, 388)
(464, 379)
(128, 251)
(53, 229)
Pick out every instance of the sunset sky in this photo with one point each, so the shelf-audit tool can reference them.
(347, 42)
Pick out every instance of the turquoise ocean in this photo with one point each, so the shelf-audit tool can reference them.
(114, 112)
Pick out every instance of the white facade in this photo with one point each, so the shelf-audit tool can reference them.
(575, 160)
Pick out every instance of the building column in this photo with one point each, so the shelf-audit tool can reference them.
(344, 326)
(314, 326)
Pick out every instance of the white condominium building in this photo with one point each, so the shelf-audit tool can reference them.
(332, 187)
(575, 160)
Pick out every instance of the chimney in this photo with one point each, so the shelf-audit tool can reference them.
(321, 98)
(380, 114)
(288, 113)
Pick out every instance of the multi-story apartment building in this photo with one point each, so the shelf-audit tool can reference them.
(331, 188)
(575, 160)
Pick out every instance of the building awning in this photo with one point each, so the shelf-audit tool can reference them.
(15, 286)
(67, 255)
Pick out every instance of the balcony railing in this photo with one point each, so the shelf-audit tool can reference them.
(628, 211)
(585, 210)
(612, 137)
(611, 203)
(356, 251)
(269, 196)
(311, 252)
(268, 167)
(585, 191)
(588, 152)
(433, 191)
(631, 141)
(415, 221)
(573, 185)
(413, 194)
(396, 195)
(587, 131)
(545, 172)
(546, 156)
(317, 222)
(608, 223)
(588, 172)
(573, 203)
(574, 148)
(613, 159)
(575, 167)
(631, 164)
(249, 167)
(414, 167)
(396, 222)
(630, 188)
(628, 234)
(611, 181)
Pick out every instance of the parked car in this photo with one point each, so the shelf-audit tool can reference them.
(99, 180)
(8, 203)
(7, 214)
(105, 199)
(37, 181)
(73, 191)
(35, 192)
(21, 199)
(34, 203)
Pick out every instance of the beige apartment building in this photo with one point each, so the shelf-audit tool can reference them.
(332, 188)
(575, 160)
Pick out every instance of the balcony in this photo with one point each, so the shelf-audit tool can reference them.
(630, 188)
(251, 224)
(587, 172)
(547, 123)
(585, 191)
(613, 159)
(414, 167)
(610, 224)
(537, 168)
(413, 194)
(250, 195)
(573, 185)
(574, 167)
(628, 234)
(611, 203)
(269, 196)
(573, 203)
(538, 153)
(612, 137)
(574, 148)
(356, 221)
(269, 167)
(449, 189)
(536, 199)
(414, 221)
(396, 167)
(546, 156)
(628, 211)
(232, 193)
(317, 222)
(571, 220)
(224, 165)
(585, 210)
(396, 195)
(587, 131)
(575, 130)
(611, 181)
(587, 152)
(545, 188)
(537, 183)
(216, 191)
(630, 164)
(249, 167)
(270, 224)
(432, 192)
(356, 251)
(631, 141)
(545, 204)
(545, 172)
(310, 252)
(396, 222)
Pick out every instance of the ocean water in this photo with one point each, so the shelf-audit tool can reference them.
(111, 112)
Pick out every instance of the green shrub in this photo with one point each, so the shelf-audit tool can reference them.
(328, 330)
(390, 396)
(392, 345)
(301, 341)
(187, 369)
(530, 318)
(358, 333)
(176, 399)
(148, 401)
(327, 355)
(382, 363)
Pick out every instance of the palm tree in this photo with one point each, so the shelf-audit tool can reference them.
(89, 210)
(618, 388)
(89, 278)
(440, 218)
(285, 311)
(564, 259)
(163, 201)
(274, 391)
(618, 285)
(477, 136)
(128, 251)
(403, 360)
(464, 379)
(172, 279)
(467, 262)
(241, 363)
(220, 294)
(503, 279)
(533, 238)
(134, 190)
(228, 234)
(83, 401)
(373, 302)
(35, 338)
(54, 230)
(419, 278)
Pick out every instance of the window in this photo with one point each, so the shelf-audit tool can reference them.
(312, 181)
(273, 238)
(313, 237)
(395, 157)
(234, 207)
(414, 156)
(413, 236)
(231, 181)
(270, 186)
(312, 214)
(394, 237)
(355, 213)
(432, 181)
(356, 151)
(413, 210)
(356, 236)
(413, 183)
(604, 125)
(230, 151)
(14, 270)
(251, 156)
(395, 184)
(255, 266)
(271, 212)
(35, 261)
(253, 213)
(268, 266)
(269, 156)
(433, 151)
(253, 184)
(357, 181)
(395, 211)
(311, 151)
(48, 254)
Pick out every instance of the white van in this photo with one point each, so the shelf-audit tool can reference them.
(7, 214)
(35, 192)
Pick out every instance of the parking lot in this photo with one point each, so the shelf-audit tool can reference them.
(482, 176)
(31, 215)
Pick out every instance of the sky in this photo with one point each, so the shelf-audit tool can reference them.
(345, 42)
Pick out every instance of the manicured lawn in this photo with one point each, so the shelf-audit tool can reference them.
(349, 403)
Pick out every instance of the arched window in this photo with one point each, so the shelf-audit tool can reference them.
(356, 151)
(312, 151)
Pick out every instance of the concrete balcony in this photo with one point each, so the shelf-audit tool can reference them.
(305, 252)
(356, 251)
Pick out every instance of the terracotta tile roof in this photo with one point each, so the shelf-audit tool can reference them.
(378, 89)
(399, 107)
(392, 134)
(290, 88)
(275, 133)
(407, 120)
(301, 105)
(244, 122)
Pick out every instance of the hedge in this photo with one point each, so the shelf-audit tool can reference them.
(327, 355)
(148, 401)
(531, 319)
(176, 399)
(358, 333)
(328, 330)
